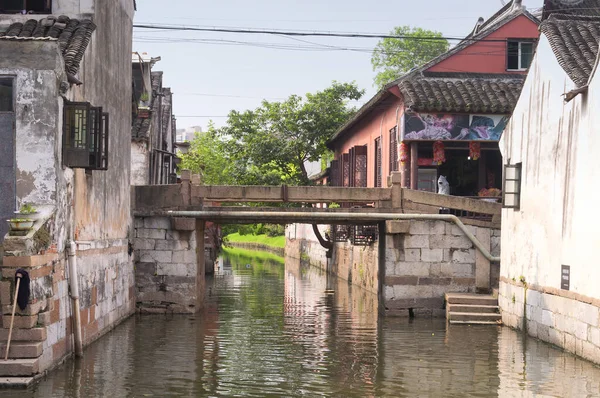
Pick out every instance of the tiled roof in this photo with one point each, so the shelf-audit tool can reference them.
(73, 36)
(476, 94)
(574, 41)
(581, 7)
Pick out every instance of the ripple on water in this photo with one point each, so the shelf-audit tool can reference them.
(274, 331)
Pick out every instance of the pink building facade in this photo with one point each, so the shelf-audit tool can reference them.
(445, 118)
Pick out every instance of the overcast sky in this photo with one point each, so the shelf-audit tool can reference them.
(235, 71)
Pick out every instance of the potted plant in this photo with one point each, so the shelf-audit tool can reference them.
(29, 211)
(20, 224)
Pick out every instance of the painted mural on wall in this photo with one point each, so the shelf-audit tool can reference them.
(428, 126)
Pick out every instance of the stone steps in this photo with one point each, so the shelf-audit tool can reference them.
(28, 335)
(472, 309)
(22, 350)
(19, 367)
(472, 317)
(16, 382)
(470, 299)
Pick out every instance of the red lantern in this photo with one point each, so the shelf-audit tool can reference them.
(404, 153)
(474, 150)
(439, 156)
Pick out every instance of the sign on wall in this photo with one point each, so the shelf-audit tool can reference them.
(460, 127)
(565, 277)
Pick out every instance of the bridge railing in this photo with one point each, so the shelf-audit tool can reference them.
(188, 196)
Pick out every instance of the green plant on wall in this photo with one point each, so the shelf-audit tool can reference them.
(27, 208)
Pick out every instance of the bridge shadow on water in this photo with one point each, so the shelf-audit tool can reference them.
(279, 327)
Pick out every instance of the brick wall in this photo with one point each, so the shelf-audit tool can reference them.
(105, 277)
(426, 259)
(166, 271)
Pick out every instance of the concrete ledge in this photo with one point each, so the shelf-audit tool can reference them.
(397, 227)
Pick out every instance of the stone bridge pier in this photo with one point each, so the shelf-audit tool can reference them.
(169, 264)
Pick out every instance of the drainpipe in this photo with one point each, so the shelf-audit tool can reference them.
(74, 286)
(240, 216)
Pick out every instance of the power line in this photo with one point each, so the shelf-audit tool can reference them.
(303, 33)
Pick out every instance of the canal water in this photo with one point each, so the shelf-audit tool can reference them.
(275, 330)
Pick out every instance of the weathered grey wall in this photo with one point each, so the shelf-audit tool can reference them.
(166, 270)
(92, 208)
(140, 161)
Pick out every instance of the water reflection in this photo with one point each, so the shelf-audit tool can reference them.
(275, 330)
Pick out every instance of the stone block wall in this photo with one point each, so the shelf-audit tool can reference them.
(426, 259)
(166, 267)
(105, 277)
(357, 264)
(560, 317)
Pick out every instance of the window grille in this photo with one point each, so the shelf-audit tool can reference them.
(511, 190)
(394, 149)
(378, 162)
(346, 170)
(358, 167)
(334, 172)
(85, 136)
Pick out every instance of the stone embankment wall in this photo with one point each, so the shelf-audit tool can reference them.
(423, 260)
(168, 277)
(358, 265)
(426, 259)
(560, 317)
(44, 330)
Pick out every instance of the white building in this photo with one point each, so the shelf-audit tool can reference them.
(187, 134)
(549, 269)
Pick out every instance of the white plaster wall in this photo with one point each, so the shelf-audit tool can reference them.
(558, 145)
(139, 163)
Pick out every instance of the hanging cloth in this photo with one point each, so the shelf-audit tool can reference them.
(404, 153)
(23, 293)
(439, 155)
(474, 150)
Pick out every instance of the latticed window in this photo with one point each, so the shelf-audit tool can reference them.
(394, 149)
(346, 170)
(334, 173)
(378, 162)
(358, 166)
(85, 140)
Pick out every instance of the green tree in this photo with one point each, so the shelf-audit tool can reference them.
(208, 155)
(394, 57)
(277, 138)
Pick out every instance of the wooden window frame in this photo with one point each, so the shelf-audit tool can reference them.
(511, 186)
(378, 165)
(519, 55)
(85, 136)
(393, 149)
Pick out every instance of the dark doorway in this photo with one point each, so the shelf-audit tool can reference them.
(7, 154)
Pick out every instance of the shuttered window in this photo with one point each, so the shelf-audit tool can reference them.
(378, 162)
(85, 136)
(394, 149)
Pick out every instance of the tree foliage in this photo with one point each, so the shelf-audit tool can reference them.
(394, 57)
(277, 138)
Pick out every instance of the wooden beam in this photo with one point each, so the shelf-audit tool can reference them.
(451, 202)
(414, 165)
